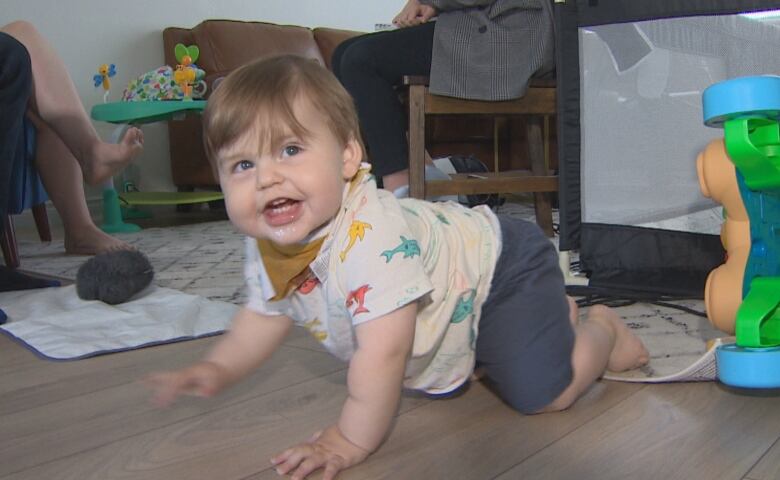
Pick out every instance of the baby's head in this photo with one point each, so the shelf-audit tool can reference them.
(283, 137)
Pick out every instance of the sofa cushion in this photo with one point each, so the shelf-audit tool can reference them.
(228, 44)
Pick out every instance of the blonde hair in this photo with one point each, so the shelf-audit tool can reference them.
(260, 96)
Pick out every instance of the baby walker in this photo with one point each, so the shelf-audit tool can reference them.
(742, 172)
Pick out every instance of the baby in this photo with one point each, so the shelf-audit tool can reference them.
(412, 294)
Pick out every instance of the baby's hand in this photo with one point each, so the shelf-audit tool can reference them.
(328, 449)
(202, 379)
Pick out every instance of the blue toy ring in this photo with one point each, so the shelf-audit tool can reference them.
(757, 96)
(748, 367)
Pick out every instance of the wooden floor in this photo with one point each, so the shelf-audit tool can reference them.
(91, 419)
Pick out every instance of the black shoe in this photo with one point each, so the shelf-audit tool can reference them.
(471, 164)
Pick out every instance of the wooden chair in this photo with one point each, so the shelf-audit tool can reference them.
(538, 105)
(8, 236)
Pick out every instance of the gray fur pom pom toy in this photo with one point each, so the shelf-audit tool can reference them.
(114, 277)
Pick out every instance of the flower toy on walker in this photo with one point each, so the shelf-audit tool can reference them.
(742, 172)
(187, 73)
(105, 72)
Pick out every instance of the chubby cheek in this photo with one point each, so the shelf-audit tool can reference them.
(241, 208)
(330, 199)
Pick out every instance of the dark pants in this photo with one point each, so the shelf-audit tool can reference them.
(15, 91)
(525, 338)
(371, 67)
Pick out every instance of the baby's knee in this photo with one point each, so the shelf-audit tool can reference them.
(563, 402)
(524, 402)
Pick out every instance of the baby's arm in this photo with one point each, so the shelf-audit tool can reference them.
(252, 338)
(375, 380)
(375, 377)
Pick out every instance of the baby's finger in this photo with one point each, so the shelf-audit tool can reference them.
(166, 387)
(281, 457)
(332, 468)
(165, 395)
(289, 459)
(310, 464)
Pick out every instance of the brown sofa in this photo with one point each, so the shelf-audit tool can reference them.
(224, 46)
(227, 44)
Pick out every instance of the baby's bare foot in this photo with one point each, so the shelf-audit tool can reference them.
(91, 241)
(628, 352)
(107, 159)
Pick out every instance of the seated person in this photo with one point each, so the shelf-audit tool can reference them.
(457, 51)
(34, 82)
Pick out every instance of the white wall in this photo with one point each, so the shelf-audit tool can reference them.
(87, 33)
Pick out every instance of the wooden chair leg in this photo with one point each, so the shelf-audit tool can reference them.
(8, 243)
(417, 141)
(542, 203)
(42, 222)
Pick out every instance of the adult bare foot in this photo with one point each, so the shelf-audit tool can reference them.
(629, 352)
(91, 241)
(106, 159)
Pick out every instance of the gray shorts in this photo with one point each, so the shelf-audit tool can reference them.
(525, 338)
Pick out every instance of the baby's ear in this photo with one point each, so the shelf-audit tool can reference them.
(353, 157)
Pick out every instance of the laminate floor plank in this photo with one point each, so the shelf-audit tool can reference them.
(678, 431)
(224, 442)
(474, 436)
(76, 424)
(768, 468)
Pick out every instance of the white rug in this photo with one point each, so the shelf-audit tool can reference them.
(56, 324)
(206, 260)
(680, 343)
(203, 259)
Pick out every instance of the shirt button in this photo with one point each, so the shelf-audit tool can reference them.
(482, 29)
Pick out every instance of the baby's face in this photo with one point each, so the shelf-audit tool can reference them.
(286, 194)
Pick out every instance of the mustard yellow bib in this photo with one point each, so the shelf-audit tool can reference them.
(287, 266)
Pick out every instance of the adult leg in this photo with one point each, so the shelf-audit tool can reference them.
(62, 177)
(15, 87)
(56, 102)
(371, 67)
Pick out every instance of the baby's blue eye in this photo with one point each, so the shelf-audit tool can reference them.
(243, 165)
(291, 150)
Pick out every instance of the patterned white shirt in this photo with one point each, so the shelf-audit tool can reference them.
(382, 253)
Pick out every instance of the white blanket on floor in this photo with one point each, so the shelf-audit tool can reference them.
(58, 325)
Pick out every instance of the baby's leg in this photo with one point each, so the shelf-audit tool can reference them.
(602, 342)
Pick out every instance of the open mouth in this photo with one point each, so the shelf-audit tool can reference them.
(281, 211)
